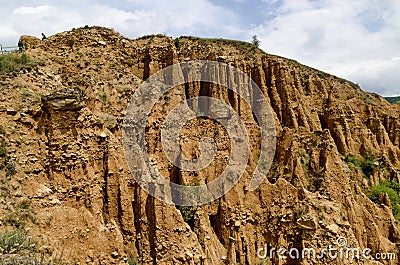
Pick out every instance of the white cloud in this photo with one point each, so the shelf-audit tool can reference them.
(131, 18)
(341, 38)
(353, 39)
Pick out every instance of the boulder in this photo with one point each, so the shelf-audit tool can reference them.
(64, 100)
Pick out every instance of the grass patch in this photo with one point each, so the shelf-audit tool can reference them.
(14, 62)
(16, 241)
(242, 46)
(17, 247)
(392, 188)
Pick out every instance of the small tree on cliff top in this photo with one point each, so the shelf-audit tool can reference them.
(255, 41)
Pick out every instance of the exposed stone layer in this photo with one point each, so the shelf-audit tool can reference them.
(70, 164)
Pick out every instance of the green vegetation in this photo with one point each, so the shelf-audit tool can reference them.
(132, 261)
(255, 41)
(16, 241)
(4, 158)
(17, 247)
(14, 62)
(365, 164)
(305, 160)
(5, 163)
(3, 150)
(23, 212)
(151, 36)
(10, 169)
(392, 188)
(187, 214)
(177, 43)
(393, 100)
(242, 46)
(369, 98)
(316, 180)
(315, 176)
(104, 99)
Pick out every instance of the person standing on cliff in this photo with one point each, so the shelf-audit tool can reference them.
(43, 36)
(20, 46)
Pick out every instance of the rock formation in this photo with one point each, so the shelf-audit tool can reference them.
(64, 139)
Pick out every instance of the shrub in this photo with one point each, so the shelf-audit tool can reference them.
(103, 98)
(365, 165)
(10, 169)
(351, 159)
(187, 214)
(177, 43)
(305, 160)
(3, 151)
(392, 188)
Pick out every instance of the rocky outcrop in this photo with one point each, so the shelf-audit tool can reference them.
(29, 42)
(63, 100)
(69, 141)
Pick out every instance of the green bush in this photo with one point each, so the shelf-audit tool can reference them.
(177, 43)
(392, 188)
(187, 213)
(351, 159)
(365, 164)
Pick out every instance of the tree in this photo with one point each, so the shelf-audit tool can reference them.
(255, 41)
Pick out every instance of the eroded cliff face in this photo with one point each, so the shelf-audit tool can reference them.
(62, 120)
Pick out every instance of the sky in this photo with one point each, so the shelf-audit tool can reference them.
(354, 39)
